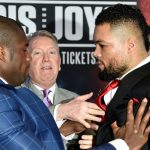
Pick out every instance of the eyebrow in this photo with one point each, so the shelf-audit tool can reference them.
(102, 42)
(98, 41)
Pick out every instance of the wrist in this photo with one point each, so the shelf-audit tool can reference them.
(134, 148)
(67, 128)
(60, 115)
(65, 131)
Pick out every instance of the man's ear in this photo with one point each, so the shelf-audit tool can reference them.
(59, 68)
(2, 54)
(131, 45)
(60, 64)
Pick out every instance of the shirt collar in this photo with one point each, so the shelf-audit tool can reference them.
(3, 80)
(52, 88)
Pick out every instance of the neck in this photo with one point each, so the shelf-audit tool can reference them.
(136, 60)
(43, 86)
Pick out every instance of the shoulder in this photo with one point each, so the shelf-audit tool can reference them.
(137, 79)
(62, 94)
(6, 91)
(27, 83)
(66, 92)
(8, 99)
(143, 85)
(25, 91)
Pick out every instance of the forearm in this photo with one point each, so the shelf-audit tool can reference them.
(70, 127)
(59, 112)
(66, 131)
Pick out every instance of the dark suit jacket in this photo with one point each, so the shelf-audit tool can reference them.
(135, 85)
(25, 122)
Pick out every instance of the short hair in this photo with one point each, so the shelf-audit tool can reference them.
(43, 33)
(120, 14)
(8, 32)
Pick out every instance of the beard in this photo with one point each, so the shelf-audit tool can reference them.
(111, 73)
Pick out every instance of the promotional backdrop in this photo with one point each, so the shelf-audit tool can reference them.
(73, 24)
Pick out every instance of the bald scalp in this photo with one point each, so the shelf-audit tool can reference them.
(41, 33)
(127, 30)
(8, 33)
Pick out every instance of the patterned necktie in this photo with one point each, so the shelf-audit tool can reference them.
(46, 100)
(99, 99)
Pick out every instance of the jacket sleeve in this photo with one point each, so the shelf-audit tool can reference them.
(14, 133)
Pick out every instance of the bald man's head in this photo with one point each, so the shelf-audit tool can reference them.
(8, 33)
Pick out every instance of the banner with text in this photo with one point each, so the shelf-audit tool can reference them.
(73, 24)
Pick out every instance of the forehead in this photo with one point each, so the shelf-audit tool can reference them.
(102, 32)
(42, 41)
(110, 33)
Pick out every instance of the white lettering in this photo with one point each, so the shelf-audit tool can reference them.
(12, 12)
(58, 22)
(90, 17)
(2, 10)
(73, 23)
(25, 13)
(77, 58)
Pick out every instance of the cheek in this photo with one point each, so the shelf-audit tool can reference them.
(34, 59)
(117, 61)
(24, 63)
(34, 69)
(35, 62)
(24, 69)
(106, 59)
(56, 63)
(111, 60)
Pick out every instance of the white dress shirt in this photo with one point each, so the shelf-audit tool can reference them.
(4, 80)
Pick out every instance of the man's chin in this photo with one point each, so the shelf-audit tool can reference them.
(104, 76)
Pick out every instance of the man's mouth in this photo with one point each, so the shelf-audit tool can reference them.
(100, 64)
(46, 68)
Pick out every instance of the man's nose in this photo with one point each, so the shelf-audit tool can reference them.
(97, 52)
(45, 57)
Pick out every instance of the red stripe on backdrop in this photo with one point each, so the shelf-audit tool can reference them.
(144, 6)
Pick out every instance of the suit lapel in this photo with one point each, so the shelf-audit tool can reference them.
(30, 86)
(57, 96)
(128, 82)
